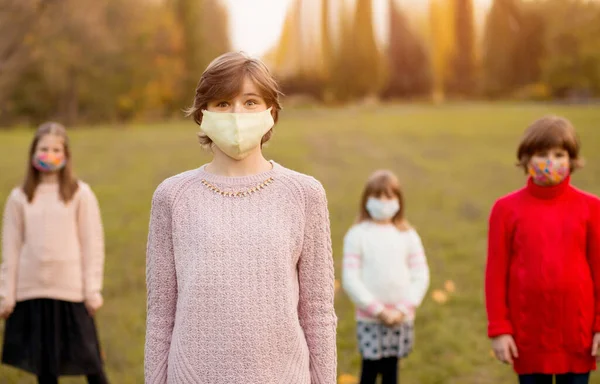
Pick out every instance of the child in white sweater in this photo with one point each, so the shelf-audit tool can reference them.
(385, 274)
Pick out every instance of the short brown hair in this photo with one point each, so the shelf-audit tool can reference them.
(546, 133)
(383, 182)
(223, 79)
(68, 184)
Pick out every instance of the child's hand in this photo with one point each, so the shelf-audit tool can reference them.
(5, 309)
(387, 316)
(391, 317)
(596, 346)
(398, 317)
(93, 303)
(505, 348)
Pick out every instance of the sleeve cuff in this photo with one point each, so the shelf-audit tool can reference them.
(8, 301)
(406, 309)
(375, 308)
(499, 328)
(95, 299)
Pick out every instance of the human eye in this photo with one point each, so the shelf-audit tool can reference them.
(560, 154)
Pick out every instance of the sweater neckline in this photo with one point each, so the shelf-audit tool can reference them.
(47, 187)
(232, 181)
(548, 192)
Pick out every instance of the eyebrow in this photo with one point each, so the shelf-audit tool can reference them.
(251, 94)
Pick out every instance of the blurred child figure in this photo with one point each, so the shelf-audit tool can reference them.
(385, 273)
(543, 267)
(52, 267)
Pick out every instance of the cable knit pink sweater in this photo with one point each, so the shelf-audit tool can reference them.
(240, 289)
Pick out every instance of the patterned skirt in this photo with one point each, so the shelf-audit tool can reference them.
(376, 341)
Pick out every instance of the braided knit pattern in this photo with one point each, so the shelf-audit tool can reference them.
(240, 288)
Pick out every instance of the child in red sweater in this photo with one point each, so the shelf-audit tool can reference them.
(542, 281)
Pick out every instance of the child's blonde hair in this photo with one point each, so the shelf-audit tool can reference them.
(68, 184)
(383, 183)
(546, 133)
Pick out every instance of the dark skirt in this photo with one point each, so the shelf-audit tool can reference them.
(52, 337)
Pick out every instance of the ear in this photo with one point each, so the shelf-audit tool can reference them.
(274, 113)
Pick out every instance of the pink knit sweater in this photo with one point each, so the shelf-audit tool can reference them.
(240, 289)
(51, 249)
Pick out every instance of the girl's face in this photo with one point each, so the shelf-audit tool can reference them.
(50, 145)
(248, 100)
(550, 166)
(49, 156)
(383, 207)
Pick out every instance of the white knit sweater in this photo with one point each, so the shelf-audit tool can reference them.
(384, 268)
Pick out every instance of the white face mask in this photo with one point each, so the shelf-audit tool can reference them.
(236, 134)
(382, 209)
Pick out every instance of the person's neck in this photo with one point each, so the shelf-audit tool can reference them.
(224, 165)
(49, 178)
(382, 222)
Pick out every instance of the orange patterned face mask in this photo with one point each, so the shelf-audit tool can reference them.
(46, 162)
(548, 172)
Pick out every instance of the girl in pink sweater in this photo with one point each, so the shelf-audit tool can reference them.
(239, 268)
(52, 265)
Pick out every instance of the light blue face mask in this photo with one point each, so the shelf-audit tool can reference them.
(382, 209)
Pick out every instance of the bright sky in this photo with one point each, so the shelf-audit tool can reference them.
(256, 24)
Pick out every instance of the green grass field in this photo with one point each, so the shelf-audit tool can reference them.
(453, 162)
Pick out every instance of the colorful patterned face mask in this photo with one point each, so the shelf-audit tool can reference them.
(548, 172)
(45, 162)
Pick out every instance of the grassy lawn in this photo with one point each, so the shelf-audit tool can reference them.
(453, 162)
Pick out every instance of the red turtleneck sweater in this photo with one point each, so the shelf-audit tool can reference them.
(543, 276)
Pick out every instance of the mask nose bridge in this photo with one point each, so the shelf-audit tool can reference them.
(237, 132)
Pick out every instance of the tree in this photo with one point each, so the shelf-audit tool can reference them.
(326, 44)
(17, 21)
(343, 66)
(297, 62)
(462, 79)
(408, 60)
(441, 19)
(572, 64)
(357, 66)
(215, 31)
(286, 57)
(188, 14)
(530, 46)
(205, 32)
(500, 41)
(366, 58)
(96, 61)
